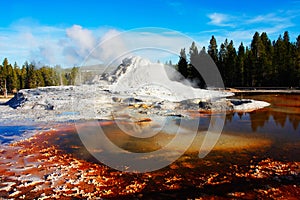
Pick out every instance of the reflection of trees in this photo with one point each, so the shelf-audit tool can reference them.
(279, 118)
(240, 114)
(284, 109)
(294, 120)
(259, 118)
(229, 117)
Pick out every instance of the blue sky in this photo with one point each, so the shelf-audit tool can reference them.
(64, 32)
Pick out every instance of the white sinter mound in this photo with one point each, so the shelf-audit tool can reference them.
(140, 77)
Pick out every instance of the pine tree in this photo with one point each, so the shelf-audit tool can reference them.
(193, 73)
(265, 60)
(263, 63)
(17, 72)
(39, 79)
(278, 61)
(230, 65)
(10, 79)
(284, 61)
(297, 60)
(49, 76)
(73, 75)
(221, 61)
(30, 79)
(248, 72)
(212, 49)
(183, 64)
(257, 54)
(240, 66)
(22, 76)
(290, 67)
(5, 76)
(2, 81)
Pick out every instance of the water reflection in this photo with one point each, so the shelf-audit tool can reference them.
(283, 114)
(274, 130)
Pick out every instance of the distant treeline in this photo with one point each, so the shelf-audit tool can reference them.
(14, 78)
(265, 63)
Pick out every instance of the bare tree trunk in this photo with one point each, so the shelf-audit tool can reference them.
(5, 89)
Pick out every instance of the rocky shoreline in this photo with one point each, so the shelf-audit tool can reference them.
(85, 102)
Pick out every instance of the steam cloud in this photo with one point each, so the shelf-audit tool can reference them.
(69, 47)
(84, 43)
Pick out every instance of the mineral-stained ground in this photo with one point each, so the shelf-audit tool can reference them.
(55, 164)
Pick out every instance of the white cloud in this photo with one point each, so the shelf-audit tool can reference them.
(271, 19)
(219, 19)
(26, 41)
(242, 28)
(266, 19)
